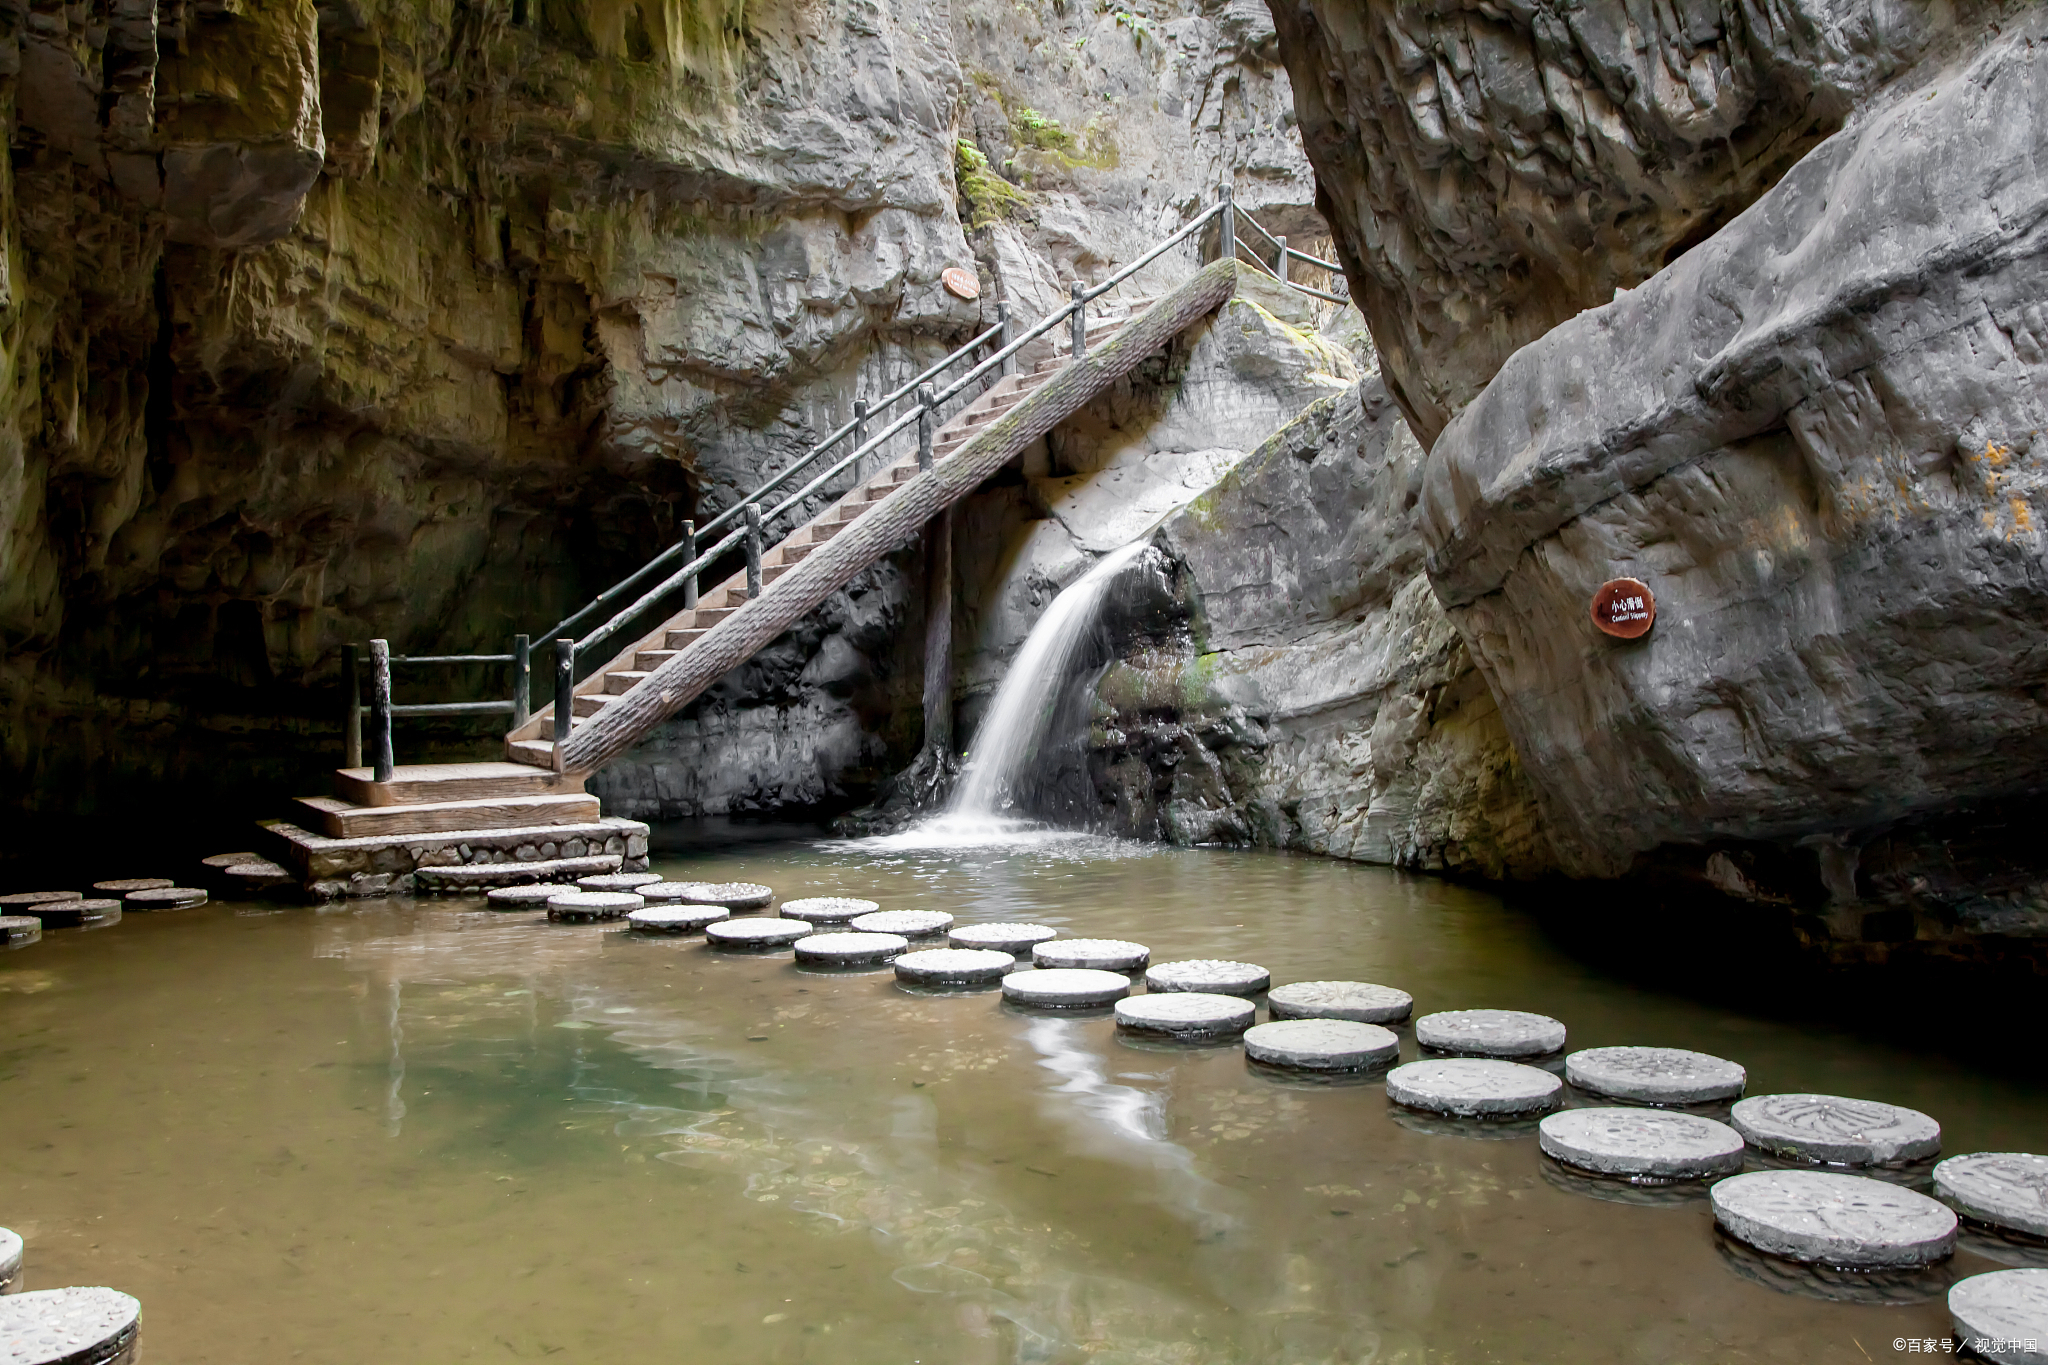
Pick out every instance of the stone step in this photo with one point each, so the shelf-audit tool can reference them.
(422, 783)
(339, 819)
(618, 684)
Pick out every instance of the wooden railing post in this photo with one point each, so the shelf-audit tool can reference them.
(1282, 272)
(522, 680)
(380, 710)
(1080, 319)
(689, 553)
(924, 426)
(1226, 231)
(565, 695)
(753, 549)
(351, 709)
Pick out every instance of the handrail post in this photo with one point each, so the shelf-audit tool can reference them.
(860, 430)
(565, 695)
(1079, 319)
(924, 426)
(1226, 231)
(753, 549)
(1009, 365)
(380, 710)
(351, 709)
(1283, 259)
(689, 553)
(522, 680)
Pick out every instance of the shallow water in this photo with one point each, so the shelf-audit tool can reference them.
(422, 1132)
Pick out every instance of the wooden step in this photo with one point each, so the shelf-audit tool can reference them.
(647, 660)
(414, 784)
(708, 617)
(590, 703)
(622, 681)
(683, 639)
(547, 725)
(531, 752)
(339, 819)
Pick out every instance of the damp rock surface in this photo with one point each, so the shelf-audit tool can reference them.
(955, 966)
(18, 931)
(1321, 1045)
(17, 899)
(759, 935)
(909, 923)
(2005, 1189)
(1474, 1087)
(533, 897)
(74, 1326)
(10, 1259)
(1208, 975)
(1092, 954)
(1642, 1144)
(1832, 1219)
(849, 950)
(1490, 1033)
(734, 896)
(585, 906)
(827, 909)
(1655, 1075)
(2003, 1316)
(123, 886)
(1065, 987)
(1836, 1129)
(1186, 1014)
(617, 881)
(675, 919)
(1356, 1000)
(1016, 939)
(165, 898)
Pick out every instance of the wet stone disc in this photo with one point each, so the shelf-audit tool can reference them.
(755, 935)
(2005, 1189)
(1186, 1014)
(828, 909)
(1065, 988)
(675, 919)
(848, 950)
(909, 923)
(1017, 939)
(1322, 1045)
(582, 907)
(1358, 1001)
(735, 896)
(954, 967)
(1094, 954)
(1209, 976)
(534, 896)
(10, 1259)
(220, 862)
(1474, 1087)
(8, 903)
(1655, 1075)
(2003, 1316)
(165, 898)
(1849, 1221)
(18, 931)
(1641, 1144)
(1490, 1033)
(58, 914)
(1834, 1129)
(77, 1326)
(127, 884)
(617, 881)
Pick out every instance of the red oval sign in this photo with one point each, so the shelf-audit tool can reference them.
(1625, 608)
(960, 283)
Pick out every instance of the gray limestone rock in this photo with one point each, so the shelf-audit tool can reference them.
(734, 896)
(2003, 1316)
(165, 898)
(1490, 1033)
(534, 897)
(617, 881)
(675, 919)
(1321, 1045)
(909, 923)
(10, 1260)
(827, 909)
(849, 950)
(584, 907)
(1837, 1130)
(77, 1326)
(1358, 1000)
(1474, 1088)
(2004, 1189)
(955, 966)
(1015, 939)
(756, 935)
(1065, 988)
(1655, 1075)
(1208, 975)
(1097, 954)
(18, 931)
(1839, 1220)
(1186, 1014)
(1642, 1144)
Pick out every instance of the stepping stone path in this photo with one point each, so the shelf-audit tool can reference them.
(755, 935)
(675, 919)
(18, 931)
(617, 881)
(1474, 1088)
(10, 1259)
(17, 903)
(586, 907)
(1016, 939)
(1186, 1014)
(1641, 1144)
(1490, 1033)
(734, 896)
(954, 967)
(165, 898)
(2003, 1316)
(1092, 954)
(1850, 1221)
(1358, 1001)
(2004, 1189)
(909, 923)
(1833, 1129)
(848, 950)
(1209, 976)
(69, 1327)
(534, 897)
(1065, 988)
(1655, 1075)
(828, 909)
(1322, 1045)
(127, 884)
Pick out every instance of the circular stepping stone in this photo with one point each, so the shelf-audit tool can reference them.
(1015, 939)
(1066, 988)
(1490, 1033)
(1322, 1045)
(18, 931)
(221, 862)
(755, 935)
(909, 923)
(734, 896)
(1641, 1144)
(675, 919)
(954, 967)
(101, 914)
(1849, 1221)
(848, 950)
(57, 914)
(1832, 1129)
(1655, 1075)
(76, 1326)
(2004, 1189)
(1358, 1001)
(1186, 1014)
(258, 875)
(13, 902)
(1474, 1088)
(1208, 976)
(828, 909)
(1092, 954)
(10, 1258)
(585, 907)
(127, 884)
(165, 898)
(2003, 1316)
(534, 896)
(617, 881)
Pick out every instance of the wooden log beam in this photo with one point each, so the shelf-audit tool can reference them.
(893, 522)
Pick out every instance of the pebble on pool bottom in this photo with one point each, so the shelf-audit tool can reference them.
(617, 881)
(1016, 939)
(675, 919)
(909, 923)
(18, 931)
(1835, 1129)
(1095, 954)
(1209, 976)
(1322, 1045)
(828, 909)
(582, 907)
(1474, 1088)
(737, 896)
(954, 967)
(1655, 1075)
(1641, 1144)
(2003, 1316)
(1065, 987)
(1186, 1014)
(1849, 1221)
(533, 896)
(48, 1326)
(756, 935)
(165, 898)
(1358, 1001)
(848, 950)
(1490, 1033)
(2005, 1189)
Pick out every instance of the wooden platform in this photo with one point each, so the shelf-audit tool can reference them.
(339, 819)
(421, 783)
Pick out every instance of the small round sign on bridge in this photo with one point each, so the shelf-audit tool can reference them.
(960, 283)
(1625, 608)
